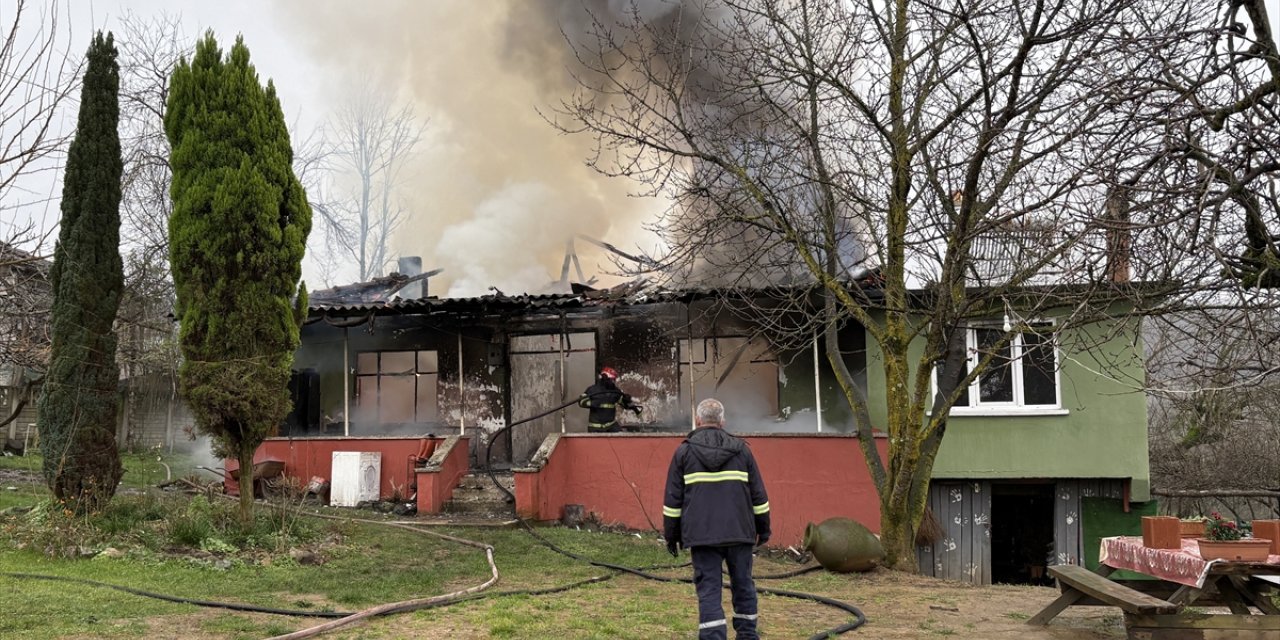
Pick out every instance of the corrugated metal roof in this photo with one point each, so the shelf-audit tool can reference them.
(431, 304)
(629, 294)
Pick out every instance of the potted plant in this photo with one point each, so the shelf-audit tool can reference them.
(1223, 541)
(1192, 527)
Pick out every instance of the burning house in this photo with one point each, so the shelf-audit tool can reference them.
(469, 366)
(1005, 500)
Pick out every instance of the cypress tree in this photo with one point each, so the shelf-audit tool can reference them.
(236, 240)
(79, 397)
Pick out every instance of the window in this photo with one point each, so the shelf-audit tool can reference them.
(1022, 376)
(397, 386)
(740, 368)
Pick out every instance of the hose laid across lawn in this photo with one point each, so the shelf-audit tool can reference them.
(859, 617)
(472, 593)
(168, 598)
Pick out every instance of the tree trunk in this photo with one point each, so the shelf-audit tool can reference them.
(246, 485)
(898, 534)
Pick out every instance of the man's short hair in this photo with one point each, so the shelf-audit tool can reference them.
(711, 411)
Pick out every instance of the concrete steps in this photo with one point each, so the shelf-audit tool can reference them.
(476, 497)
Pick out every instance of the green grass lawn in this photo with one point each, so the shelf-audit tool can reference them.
(372, 564)
(369, 564)
(379, 564)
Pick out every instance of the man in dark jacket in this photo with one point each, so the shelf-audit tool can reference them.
(716, 506)
(603, 399)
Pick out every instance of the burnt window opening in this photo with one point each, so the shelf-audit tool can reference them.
(741, 372)
(397, 387)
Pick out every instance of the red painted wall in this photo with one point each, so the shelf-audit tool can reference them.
(436, 487)
(621, 477)
(307, 457)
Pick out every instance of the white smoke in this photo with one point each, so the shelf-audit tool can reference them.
(495, 191)
(512, 222)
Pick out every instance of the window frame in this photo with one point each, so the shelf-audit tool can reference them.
(713, 355)
(1017, 406)
(416, 373)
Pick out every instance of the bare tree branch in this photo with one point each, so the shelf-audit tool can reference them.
(352, 172)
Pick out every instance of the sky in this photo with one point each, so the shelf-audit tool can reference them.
(493, 192)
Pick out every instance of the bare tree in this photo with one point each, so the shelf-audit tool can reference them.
(352, 173)
(915, 168)
(1213, 395)
(1212, 96)
(35, 79)
(150, 47)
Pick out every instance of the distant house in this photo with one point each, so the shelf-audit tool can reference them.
(1045, 451)
(151, 412)
(26, 296)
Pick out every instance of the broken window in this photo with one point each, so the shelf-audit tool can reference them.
(741, 372)
(395, 387)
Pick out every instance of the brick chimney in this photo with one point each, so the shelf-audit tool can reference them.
(1118, 240)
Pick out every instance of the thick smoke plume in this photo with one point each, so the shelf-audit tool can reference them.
(495, 190)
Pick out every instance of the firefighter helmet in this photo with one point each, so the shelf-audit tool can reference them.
(609, 372)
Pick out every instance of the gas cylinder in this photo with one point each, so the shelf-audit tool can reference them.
(843, 545)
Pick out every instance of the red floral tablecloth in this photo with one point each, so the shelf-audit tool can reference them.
(1183, 566)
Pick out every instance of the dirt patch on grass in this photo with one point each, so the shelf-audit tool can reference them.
(900, 605)
(19, 476)
(897, 605)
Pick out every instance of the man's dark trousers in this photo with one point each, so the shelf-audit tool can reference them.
(707, 580)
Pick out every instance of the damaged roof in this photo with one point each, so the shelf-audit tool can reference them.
(377, 290)
(635, 292)
(630, 293)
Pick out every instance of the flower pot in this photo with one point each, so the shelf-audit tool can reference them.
(1191, 528)
(1245, 550)
(1160, 532)
(1268, 530)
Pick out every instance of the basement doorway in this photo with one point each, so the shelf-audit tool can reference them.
(1022, 541)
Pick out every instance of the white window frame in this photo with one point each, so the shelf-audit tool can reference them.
(1018, 406)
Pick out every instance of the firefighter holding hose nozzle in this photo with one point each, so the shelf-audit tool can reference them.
(603, 399)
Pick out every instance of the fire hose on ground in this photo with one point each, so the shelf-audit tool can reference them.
(859, 618)
(341, 619)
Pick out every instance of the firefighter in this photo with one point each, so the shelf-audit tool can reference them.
(716, 506)
(603, 399)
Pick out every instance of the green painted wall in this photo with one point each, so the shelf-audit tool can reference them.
(1103, 434)
(1103, 517)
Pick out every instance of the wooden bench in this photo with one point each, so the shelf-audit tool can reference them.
(1208, 597)
(1078, 582)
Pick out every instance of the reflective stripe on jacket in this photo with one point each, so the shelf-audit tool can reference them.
(715, 495)
(603, 400)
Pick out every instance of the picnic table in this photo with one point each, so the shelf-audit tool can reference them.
(1157, 609)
